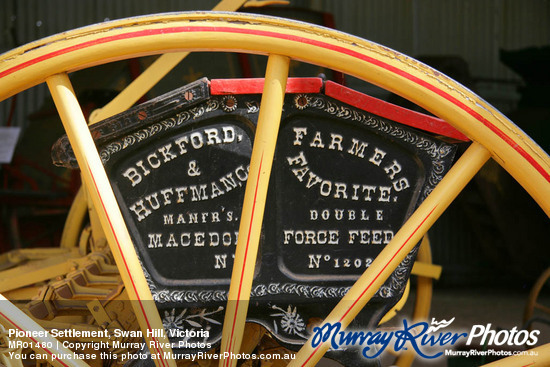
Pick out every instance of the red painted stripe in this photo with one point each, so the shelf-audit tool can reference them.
(321, 44)
(312, 354)
(76, 47)
(34, 340)
(390, 111)
(256, 86)
(245, 255)
(127, 267)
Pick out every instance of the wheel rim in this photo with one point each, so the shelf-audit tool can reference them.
(86, 47)
(219, 31)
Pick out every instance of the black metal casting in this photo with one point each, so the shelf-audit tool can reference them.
(343, 183)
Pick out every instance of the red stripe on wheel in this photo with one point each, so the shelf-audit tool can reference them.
(270, 34)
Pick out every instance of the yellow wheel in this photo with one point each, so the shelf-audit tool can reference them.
(492, 134)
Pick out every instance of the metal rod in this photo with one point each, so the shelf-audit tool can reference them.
(254, 203)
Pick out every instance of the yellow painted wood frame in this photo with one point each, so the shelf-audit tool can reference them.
(492, 133)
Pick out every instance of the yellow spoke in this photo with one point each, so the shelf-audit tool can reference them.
(254, 203)
(403, 242)
(103, 198)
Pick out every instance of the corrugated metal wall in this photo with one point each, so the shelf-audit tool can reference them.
(473, 29)
(34, 19)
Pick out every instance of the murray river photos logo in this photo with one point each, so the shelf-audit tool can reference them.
(427, 340)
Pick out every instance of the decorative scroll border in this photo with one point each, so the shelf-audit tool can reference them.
(288, 321)
(162, 295)
(164, 125)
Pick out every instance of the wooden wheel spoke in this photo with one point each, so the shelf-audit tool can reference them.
(403, 242)
(103, 198)
(254, 203)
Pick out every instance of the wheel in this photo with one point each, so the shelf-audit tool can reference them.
(492, 134)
